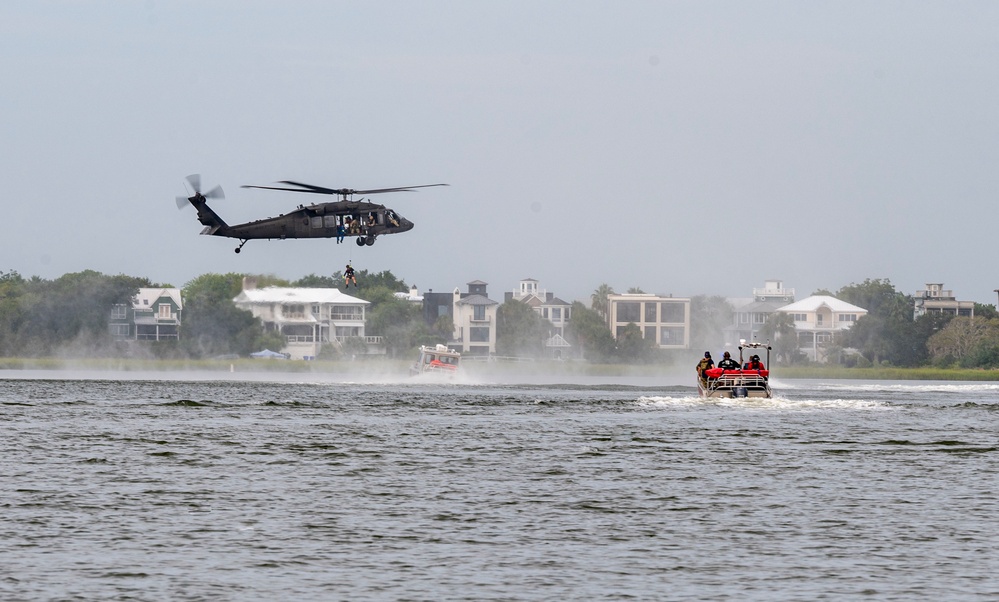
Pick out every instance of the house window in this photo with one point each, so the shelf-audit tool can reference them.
(544, 312)
(650, 312)
(345, 312)
(556, 314)
(650, 333)
(315, 309)
(478, 334)
(119, 330)
(442, 310)
(294, 311)
(119, 311)
(671, 336)
(847, 317)
(629, 311)
(799, 317)
(672, 312)
(759, 318)
(478, 313)
(165, 311)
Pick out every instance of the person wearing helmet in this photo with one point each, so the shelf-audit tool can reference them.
(727, 363)
(704, 365)
(754, 363)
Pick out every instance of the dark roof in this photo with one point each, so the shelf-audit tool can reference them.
(477, 300)
(761, 307)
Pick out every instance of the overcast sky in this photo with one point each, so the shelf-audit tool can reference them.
(682, 147)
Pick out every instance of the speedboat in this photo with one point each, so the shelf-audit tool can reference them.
(438, 359)
(721, 383)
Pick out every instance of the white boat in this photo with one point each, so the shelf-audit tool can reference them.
(436, 360)
(744, 382)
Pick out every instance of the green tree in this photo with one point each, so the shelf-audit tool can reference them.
(213, 325)
(12, 312)
(598, 300)
(887, 332)
(632, 347)
(985, 311)
(588, 332)
(399, 322)
(70, 315)
(520, 331)
(783, 336)
(314, 281)
(708, 318)
(961, 337)
(384, 279)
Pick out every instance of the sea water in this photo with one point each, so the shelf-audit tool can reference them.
(236, 487)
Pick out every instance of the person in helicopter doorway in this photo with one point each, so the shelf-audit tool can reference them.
(703, 366)
(754, 363)
(348, 277)
(340, 232)
(727, 363)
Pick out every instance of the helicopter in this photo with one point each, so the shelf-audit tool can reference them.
(361, 219)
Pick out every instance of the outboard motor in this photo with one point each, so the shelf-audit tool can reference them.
(740, 392)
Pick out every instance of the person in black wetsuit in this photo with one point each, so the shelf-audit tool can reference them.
(348, 277)
(727, 363)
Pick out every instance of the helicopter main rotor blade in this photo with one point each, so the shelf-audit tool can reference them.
(287, 189)
(399, 189)
(337, 191)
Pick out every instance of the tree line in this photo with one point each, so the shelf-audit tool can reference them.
(69, 316)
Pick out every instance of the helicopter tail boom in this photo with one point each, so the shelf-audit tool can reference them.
(209, 219)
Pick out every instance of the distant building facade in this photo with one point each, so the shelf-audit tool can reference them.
(751, 313)
(154, 315)
(817, 319)
(307, 318)
(935, 299)
(663, 320)
(472, 315)
(555, 311)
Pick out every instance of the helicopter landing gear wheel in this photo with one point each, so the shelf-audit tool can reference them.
(369, 240)
(241, 243)
(360, 241)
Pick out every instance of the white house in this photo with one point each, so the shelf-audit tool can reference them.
(307, 318)
(818, 318)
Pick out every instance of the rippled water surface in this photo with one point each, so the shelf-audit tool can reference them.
(203, 489)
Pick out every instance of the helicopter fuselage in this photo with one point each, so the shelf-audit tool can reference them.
(364, 221)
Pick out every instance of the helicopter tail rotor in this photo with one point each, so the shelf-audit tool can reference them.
(194, 181)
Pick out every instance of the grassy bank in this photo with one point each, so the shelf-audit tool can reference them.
(839, 372)
(389, 366)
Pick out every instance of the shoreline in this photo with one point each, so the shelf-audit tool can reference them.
(539, 367)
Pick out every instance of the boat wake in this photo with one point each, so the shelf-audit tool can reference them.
(773, 403)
